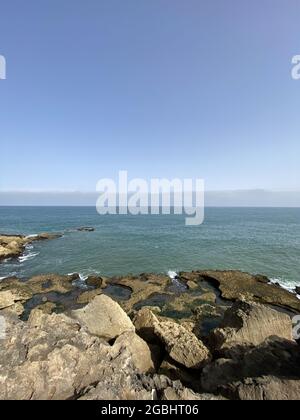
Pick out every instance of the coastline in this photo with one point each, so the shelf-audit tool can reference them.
(203, 335)
(198, 335)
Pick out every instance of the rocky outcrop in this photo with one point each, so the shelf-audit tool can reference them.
(86, 229)
(13, 246)
(236, 285)
(275, 357)
(249, 324)
(104, 318)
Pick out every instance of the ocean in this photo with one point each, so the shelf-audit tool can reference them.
(256, 240)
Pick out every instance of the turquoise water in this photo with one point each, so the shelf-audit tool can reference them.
(258, 240)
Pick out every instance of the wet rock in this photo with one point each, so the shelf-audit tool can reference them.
(142, 287)
(86, 229)
(236, 285)
(104, 318)
(13, 246)
(86, 297)
(181, 345)
(96, 281)
(249, 324)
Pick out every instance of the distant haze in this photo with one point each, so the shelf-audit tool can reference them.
(238, 198)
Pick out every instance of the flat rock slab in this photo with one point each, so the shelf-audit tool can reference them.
(104, 318)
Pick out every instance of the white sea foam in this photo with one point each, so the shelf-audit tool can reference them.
(27, 256)
(285, 284)
(172, 274)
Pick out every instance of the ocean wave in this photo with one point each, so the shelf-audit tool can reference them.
(172, 274)
(27, 257)
(83, 276)
(288, 285)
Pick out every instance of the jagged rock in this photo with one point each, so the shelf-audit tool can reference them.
(144, 323)
(268, 388)
(179, 373)
(186, 394)
(140, 353)
(236, 285)
(48, 358)
(181, 345)
(275, 357)
(249, 324)
(104, 317)
(13, 246)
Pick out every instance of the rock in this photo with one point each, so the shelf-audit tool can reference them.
(142, 288)
(274, 357)
(13, 246)
(192, 285)
(265, 388)
(178, 373)
(86, 297)
(144, 323)
(236, 285)
(44, 237)
(47, 307)
(104, 318)
(185, 394)
(53, 358)
(297, 290)
(86, 229)
(209, 297)
(139, 351)
(96, 281)
(12, 301)
(181, 345)
(249, 324)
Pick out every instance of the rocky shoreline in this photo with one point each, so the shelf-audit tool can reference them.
(203, 335)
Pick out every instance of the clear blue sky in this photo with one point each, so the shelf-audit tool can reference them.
(162, 88)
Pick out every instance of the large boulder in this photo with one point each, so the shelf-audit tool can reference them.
(140, 353)
(144, 323)
(104, 318)
(249, 324)
(182, 345)
(50, 357)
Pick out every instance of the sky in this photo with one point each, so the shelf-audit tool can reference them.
(160, 88)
